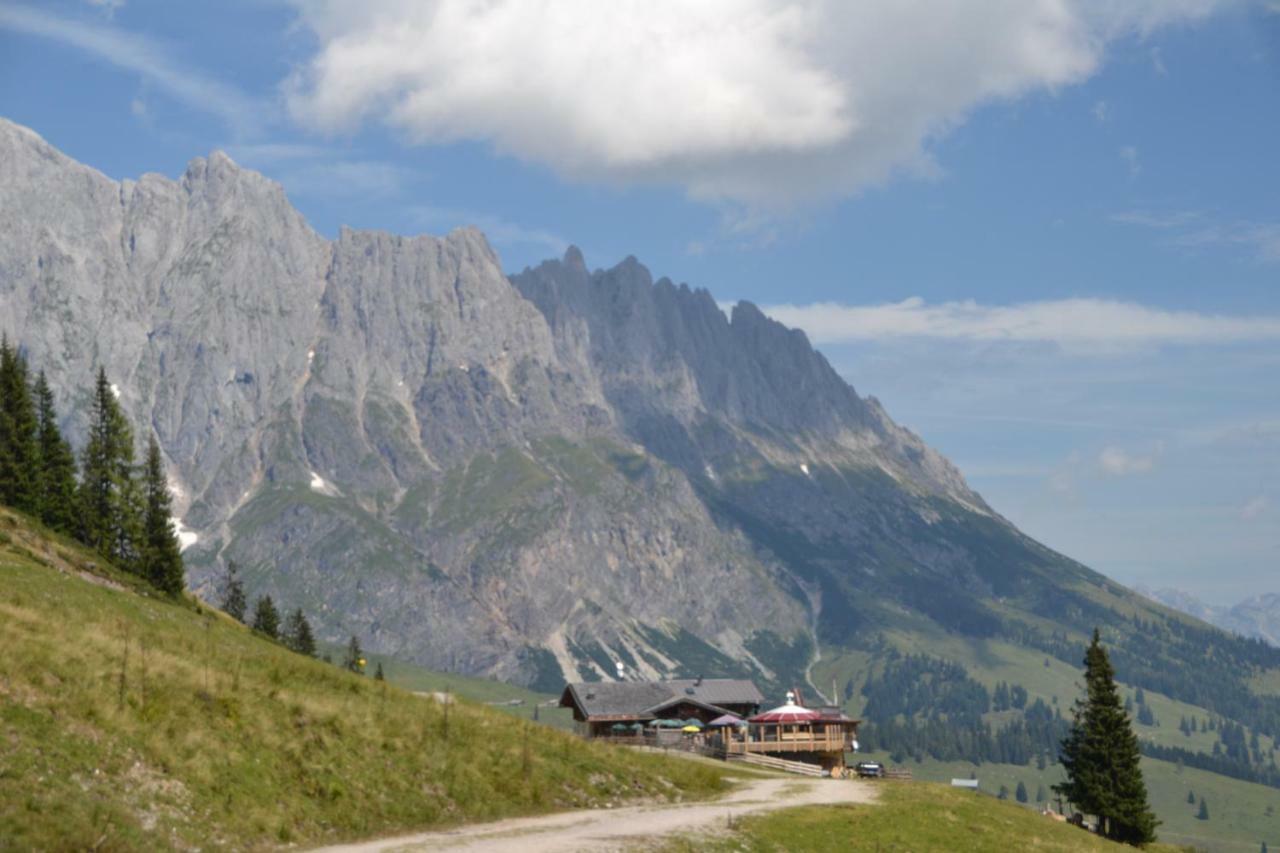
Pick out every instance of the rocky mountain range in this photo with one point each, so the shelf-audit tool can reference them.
(530, 477)
(1258, 616)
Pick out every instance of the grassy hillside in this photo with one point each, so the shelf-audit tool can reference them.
(916, 817)
(130, 722)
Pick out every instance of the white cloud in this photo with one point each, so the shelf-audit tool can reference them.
(1129, 154)
(1194, 229)
(498, 231)
(141, 55)
(1255, 508)
(108, 7)
(316, 170)
(1118, 462)
(1074, 323)
(764, 102)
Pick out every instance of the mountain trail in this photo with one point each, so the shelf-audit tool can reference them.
(623, 828)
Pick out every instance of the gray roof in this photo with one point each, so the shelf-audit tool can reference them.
(608, 698)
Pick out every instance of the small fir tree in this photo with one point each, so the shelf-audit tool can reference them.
(266, 618)
(19, 451)
(1021, 793)
(377, 673)
(161, 556)
(109, 498)
(56, 498)
(1101, 757)
(1203, 814)
(354, 659)
(298, 636)
(1191, 798)
(1041, 795)
(1004, 793)
(233, 600)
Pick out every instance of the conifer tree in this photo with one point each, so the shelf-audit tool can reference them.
(354, 659)
(1100, 756)
(160, 555)
(377, 673)
(1041, 795)
(109, 497)
(1021, 793)
(1203, 814)
(297, 634)
(19, 451)
(56, 475)
(233, 600)
(1191, 798)
(266, 618)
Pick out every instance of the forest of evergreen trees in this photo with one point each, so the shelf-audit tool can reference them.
(106, 500)
(920, 707)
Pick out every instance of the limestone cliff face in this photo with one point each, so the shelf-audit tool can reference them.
(531, 477)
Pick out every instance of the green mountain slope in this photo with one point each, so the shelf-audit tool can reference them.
(130, 722)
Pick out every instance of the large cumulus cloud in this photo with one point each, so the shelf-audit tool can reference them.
(765, 102)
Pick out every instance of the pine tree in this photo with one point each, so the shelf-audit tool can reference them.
(354, 659)
(19, 451)
(377, 673)
(233, 600)
(1100, 756)
(1191, 798)
(298, 636)
(109, 496)
(1203, 814)
(56, 489)
(1041, 795)
(266, 618)
(1021, 793)
(161, 558)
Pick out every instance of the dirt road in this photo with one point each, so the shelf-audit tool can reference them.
(612, 829)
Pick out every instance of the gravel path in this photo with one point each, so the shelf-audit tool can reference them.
(613, 829)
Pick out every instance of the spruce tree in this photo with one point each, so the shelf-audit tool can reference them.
(109, 495)
(354, 659)
(233, 600)
(297, 634)
(266, 618)
(377, 673)
(1021, 793)
(1191, 798)
(1101, 757)
(161, 558)
(56, 484)
(19, 454)
(1041, 795)
(1203, 814)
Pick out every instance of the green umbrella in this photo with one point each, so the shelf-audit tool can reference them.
(619, 727)
(636, 727)
(693, 721)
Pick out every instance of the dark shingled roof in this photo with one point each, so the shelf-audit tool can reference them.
(607, 698)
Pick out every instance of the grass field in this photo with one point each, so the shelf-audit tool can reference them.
(1238, 819)
(909, 816)
(132, 722)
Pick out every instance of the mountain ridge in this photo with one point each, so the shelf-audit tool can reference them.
(529, 476)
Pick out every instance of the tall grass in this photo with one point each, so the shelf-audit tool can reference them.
(133, 722)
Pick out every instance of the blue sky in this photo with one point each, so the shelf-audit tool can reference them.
(1045, 234)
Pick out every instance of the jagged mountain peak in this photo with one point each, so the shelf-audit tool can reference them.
(529, 476)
